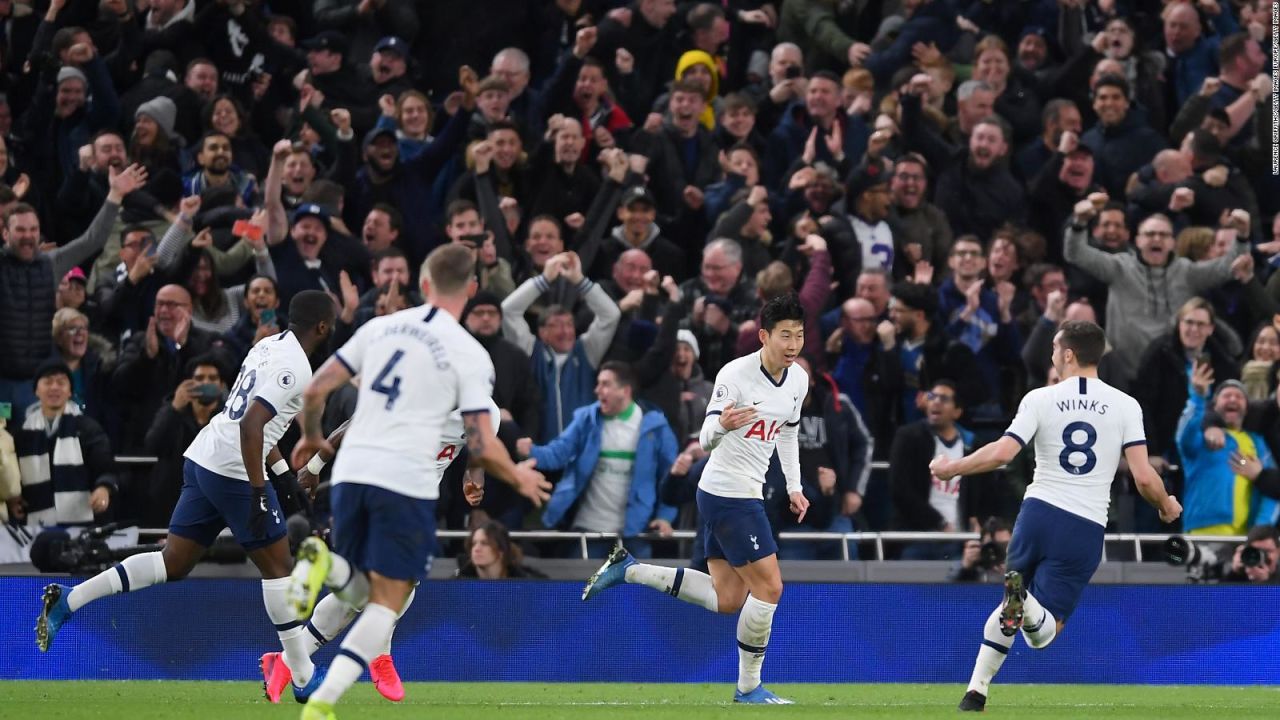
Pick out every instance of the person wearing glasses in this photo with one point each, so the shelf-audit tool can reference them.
(83, 353)
(1145, 288)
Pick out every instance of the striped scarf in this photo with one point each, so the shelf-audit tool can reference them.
(55, 483)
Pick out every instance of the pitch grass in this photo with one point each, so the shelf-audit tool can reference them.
(172, 700)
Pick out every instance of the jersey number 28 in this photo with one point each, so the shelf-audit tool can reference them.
(239, 400)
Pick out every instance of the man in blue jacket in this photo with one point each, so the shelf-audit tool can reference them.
(613, 454)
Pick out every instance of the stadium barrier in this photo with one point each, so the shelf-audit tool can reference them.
(540, 631)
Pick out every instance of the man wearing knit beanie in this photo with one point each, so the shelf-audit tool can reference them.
(514, 389)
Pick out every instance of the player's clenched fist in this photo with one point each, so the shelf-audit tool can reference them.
(732, 418)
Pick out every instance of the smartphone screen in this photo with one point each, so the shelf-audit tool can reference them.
(267, 317)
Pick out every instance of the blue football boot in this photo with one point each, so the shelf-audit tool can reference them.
(612, 572)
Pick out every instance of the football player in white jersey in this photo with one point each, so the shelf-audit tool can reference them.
(332, 615)
(415, 366)
(1080, 427)
(225, 485)
(754, 410)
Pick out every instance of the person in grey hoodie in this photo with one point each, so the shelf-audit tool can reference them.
(1146, 287)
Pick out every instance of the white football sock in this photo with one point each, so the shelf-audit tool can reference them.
(386, 650)
(995, 648)
(294, 637)
(350, 585)
(690, 586)
(755, 625)
(330, 617)
(367, 635)
(1039, 626)
(133, 573)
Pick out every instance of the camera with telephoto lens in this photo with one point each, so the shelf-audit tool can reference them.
(1201, 561)
(54, 550)
(991, 555)
(1252, 557)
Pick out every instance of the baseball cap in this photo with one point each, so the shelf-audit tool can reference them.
(313, 210)
(637, 194)
(75, 274)
(391, 43)
(869, 174)
(376, 133)
(1230, 384)
(331, 40)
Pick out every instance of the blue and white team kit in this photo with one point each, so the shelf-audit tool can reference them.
(730, 493)
(416, 368)
(1080, 427)
(215, 485)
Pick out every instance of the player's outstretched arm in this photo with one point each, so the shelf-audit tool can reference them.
(988, 458)
(332, 375)
(1150, 485)
(491, 455)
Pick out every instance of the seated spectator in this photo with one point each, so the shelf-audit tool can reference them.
(64, 457)
(489, 554)
(563, 364)
(91, 359)
(1220, 499)
(613, 454)
(194, 403)
(835, 465)
(982, 560)
(921, 501)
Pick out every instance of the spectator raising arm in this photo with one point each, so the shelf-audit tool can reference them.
(94, 239)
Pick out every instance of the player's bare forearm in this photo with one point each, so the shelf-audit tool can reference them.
(335, 439)
(1145, 477)
(483, 452)
(251, 426)
(990, 457)
(274, 456)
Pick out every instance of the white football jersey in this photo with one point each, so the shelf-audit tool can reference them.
(739, 462)
(1081, 427)
(452, 441)
(416, 367)
(274, 373)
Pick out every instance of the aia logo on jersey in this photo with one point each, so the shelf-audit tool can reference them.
(448, 452)
(759, 432)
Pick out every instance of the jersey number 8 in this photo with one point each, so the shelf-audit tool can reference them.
(239, 401)
(1070, 446)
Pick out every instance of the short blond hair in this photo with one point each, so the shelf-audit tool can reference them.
(774, 280)
(65, 317)
(450, 268)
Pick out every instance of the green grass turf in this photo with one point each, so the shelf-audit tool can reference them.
(172, 700)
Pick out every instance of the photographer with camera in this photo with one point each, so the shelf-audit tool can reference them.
(194, 403)
(1255, 560)
(983, 560)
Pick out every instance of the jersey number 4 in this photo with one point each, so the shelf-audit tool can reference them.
(1070, 447)
(380, 384)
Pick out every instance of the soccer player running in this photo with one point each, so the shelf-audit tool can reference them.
(332, 615)
(415, 366)
(224, 485)
(1080, 426)
(754, 409)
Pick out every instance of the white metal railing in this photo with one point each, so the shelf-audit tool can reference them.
(879, 539)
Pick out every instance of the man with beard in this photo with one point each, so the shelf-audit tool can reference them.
(1121, 141)
(215, 170)
(977, 192)
(925, 354)
(1058, 117)
(385, 177)
(514, 390)
(315, 257)
(1146, 288)
(29, 280)
(925, 233)
(1221, 499)
(1064, 180)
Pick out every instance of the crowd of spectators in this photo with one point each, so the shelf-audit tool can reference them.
(942, 182)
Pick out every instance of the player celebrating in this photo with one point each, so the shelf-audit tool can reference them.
(331, 614)
(224, 484)
(754, 409)
(416, 366)
(1080, 427)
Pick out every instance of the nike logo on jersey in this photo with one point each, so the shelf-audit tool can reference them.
(757, 402)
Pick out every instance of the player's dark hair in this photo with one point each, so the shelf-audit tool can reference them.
(309, 308)
(622, 372)
(1083, 338)
(783, 307)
